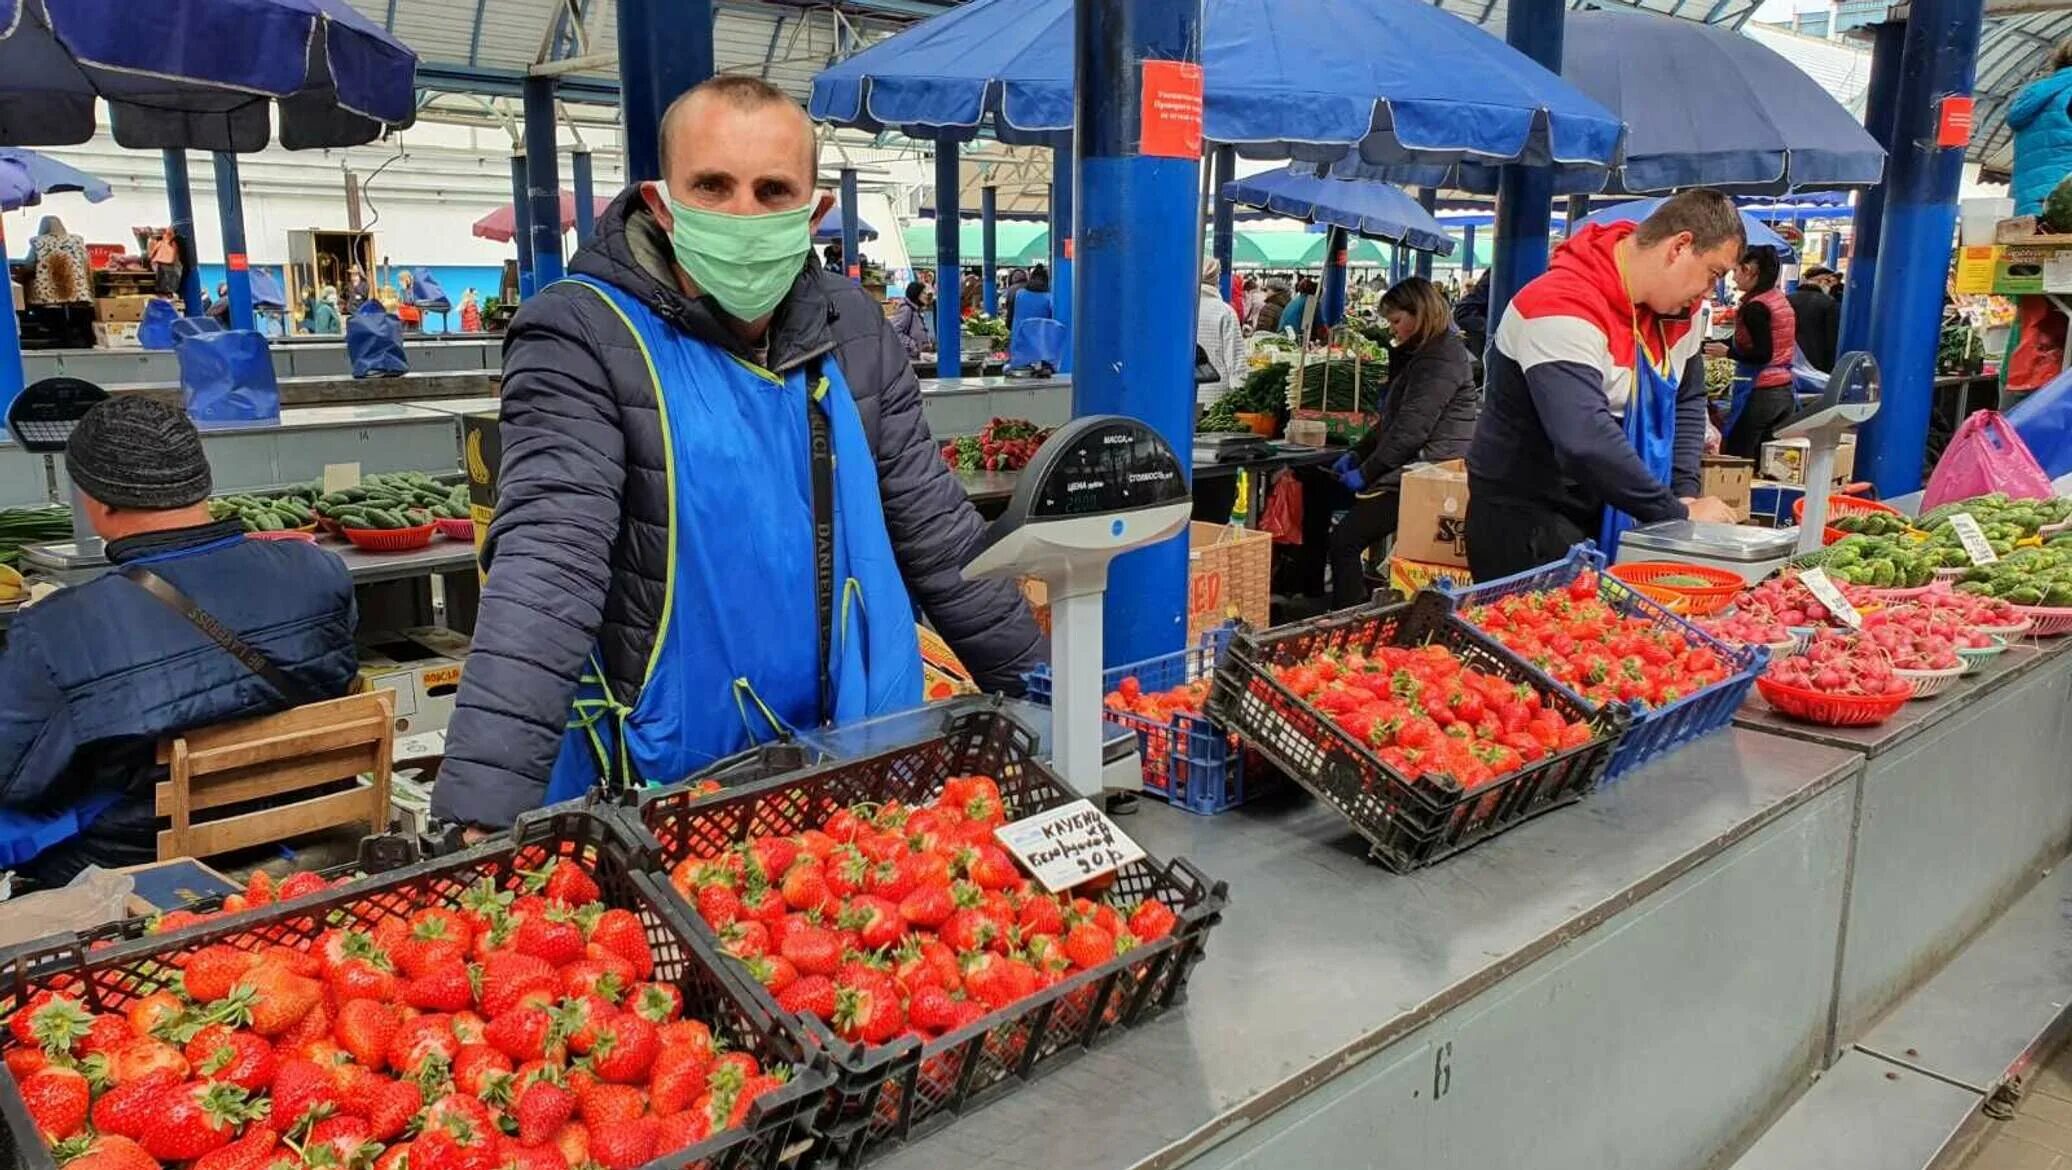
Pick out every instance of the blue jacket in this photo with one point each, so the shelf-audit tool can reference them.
(95, 675)
(2042, 125)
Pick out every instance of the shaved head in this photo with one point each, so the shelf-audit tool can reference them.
(707, 124)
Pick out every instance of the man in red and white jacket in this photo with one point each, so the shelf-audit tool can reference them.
(1550, 451)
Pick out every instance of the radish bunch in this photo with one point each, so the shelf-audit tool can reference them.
(1840, 664)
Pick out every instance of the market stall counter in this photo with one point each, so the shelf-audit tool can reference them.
(1346, 1017)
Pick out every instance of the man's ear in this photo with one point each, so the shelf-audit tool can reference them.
(820, 210)
(658, 204)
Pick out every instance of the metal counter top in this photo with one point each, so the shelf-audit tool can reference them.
(1323, 958)
(975, 385)
(1912, 719)
(999, 485)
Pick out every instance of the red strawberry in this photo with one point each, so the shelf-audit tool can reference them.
(624, 1146)
(969, 930)
(391, 1108)
(875, 920)
(143, 1056)
(259, 889)
(1002, 982)
(991, 868)
(113, 1152)
(540, 1157)
(1041, 915)
(508, 977)
(619, 932)
(482, 1071)
(718, 905)
(366, 1028)
(774, 972)
(806, 888)
(442, 988)
(340, 1141)
(193, 1120)
(763, 904)
(607, 1105)
(57, 1100)
(275, 999)
(744, 1098)
(154, 1011)
(657, 1003)
(219, 1054)
(125, 1108)
(105, 1033)
(250, 1152)
(1152, 919)
(812, 995)
(1088, 945)
(553, 936)
(625, 1049)
(813, 950)
(605, 975)
(213, 970)
(297, 885)
(23, 1061)
(300, 1088)
(563, 881)
(868, 1011)
(677, 1079)
(680, 1131)
(693, 1034)
(932, 1010)
(421, 1039)
(468, 1027)
(521, 1033)
(927, 906)
(362, 979)
(574, 1141)
(543, 1108)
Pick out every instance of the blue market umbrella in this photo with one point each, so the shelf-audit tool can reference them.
(17, 189)
(200, 74)
(830, 229)
(1387, 81)
(48, 176)
(1760, 234)
(1375, 210)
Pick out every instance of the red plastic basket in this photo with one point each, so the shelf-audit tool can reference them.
(1699, 600)
(1840, 506)
(456, 529)
(1831, 710)
(285, 534)
(391, 539)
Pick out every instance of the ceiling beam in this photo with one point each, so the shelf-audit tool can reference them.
(492, 81)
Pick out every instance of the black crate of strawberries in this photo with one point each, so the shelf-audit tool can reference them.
(523, 1005)
(1422, 731)
(869, 903)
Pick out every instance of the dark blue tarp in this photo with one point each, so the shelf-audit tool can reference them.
(1388, 81)
(200, 74)
(48, 176)
(17, 189)
(1378, 211)
(830, 229)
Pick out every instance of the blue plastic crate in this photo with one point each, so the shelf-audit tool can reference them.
(1189, 762)
(1653, 732)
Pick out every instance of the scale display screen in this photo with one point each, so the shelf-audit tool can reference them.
(43, 415)
(1116, 466)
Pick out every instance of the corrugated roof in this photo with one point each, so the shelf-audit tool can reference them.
(2014, 49)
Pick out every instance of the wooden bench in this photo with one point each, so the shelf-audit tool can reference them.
(272, 757)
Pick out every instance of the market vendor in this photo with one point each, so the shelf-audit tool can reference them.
(675, 417)
(1765, 336)
(1594, 414)
(94, 676)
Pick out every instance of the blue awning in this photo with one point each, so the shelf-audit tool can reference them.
(17, 189)
(830, 228)
(1386, 81)
(1760, 234)
(200, 74)
(48, 176)
(1375, 210)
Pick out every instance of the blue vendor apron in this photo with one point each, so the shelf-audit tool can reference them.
(24, 834)
(1650, 428)
(755, 461)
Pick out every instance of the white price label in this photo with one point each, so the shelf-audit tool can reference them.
(1069, 845)
(1973, 538)
(340, 476)
(1825, 592)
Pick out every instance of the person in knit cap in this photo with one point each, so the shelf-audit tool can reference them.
(193, 625)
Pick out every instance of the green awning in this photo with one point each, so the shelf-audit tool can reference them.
(1017, 244)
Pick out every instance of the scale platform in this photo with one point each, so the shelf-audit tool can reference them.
(1754, 553)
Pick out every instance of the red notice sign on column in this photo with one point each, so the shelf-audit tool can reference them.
(237, 262)
(1953, 120)
(1171, 117)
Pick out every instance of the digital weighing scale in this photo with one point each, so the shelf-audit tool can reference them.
(1822, 425)
(41, 419)
(1098, 487)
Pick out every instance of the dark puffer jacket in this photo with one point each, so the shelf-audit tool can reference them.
(579, 544)
(1429, 414)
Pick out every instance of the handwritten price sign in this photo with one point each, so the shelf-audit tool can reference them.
(1069, 845)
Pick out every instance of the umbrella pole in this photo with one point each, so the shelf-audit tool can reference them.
(1226, 225)
(1427, 198)
(852, 216)
(230, 207)
(542, 181)
(521, 225)
(1525, 195)
(989, 248)
(1063, 164)
(179, 195)
(586, 198)
(949, 283)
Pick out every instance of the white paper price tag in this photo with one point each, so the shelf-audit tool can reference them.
(1068, 845)
(1825, 592)
(340, 476)
(1973, 538)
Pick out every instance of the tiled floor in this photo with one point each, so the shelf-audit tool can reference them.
(2039, 1135)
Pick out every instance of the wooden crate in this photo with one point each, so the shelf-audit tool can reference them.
(1229, 575)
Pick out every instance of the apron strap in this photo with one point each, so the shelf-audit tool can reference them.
(820, 450)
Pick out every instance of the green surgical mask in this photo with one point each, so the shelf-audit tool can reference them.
(745, 262)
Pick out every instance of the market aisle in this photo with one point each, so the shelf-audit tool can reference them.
(2039, 1135)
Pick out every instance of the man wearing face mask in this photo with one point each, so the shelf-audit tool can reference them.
(719, 505)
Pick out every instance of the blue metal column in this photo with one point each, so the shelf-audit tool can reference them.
(1063, 181)
(11, 375)
(230, 207)
(1141, 259)
(1833, 256)
(1467, 255)
(989, 249)
(1331, 297)
(179, 198)
(1226, 217)
(665, 48)
(949, 313)
(1399, 264)
(1921, 183)
(852, 246)
(542, 181)
(585, 184)
(1881, 102)
(1427, 198)
(1524, 195)
(521, 225)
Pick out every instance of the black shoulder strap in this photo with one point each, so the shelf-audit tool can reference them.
(820, 447)
(295, 693)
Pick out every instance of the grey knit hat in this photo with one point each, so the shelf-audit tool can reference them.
(135, 452)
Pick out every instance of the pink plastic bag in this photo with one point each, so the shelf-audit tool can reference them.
(1985, 455)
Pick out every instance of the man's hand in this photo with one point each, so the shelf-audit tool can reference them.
(474, 835)
(1711, 509)
(1715, 349)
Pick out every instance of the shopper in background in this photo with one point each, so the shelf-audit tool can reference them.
(1291, 315)
(1471, 316)
(1237, 295)
(971, 297)
(834, 259)
(1818, 315)
(356, 289)
(2041, 118)
(914, 320)
(1216, 333)
(62, 272)
(1428, 415)
(719, 506)
(165, 262)
(326, 318)
(96, 675)
(470, 312)
(220, 307)
(1765, 336)
(1594, 415)
(1267, 317)
(1032, 299)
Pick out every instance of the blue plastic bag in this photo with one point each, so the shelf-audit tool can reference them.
(1036, 341)
(2043, 419)
(374, 342)
(155, 331)
(426, 293)
(226, 376)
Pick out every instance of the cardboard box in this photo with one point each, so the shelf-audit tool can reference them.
(1783, 461)
(1432, 518)
(422, 666)
(126, 310)
(1975, 266)
(2027, 269)
(122, 336)
(1728, 478)
(19, 301)
(481, 454)
(2025, 229)
(1229, 577)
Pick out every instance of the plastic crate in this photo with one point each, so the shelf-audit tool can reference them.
(892, 1093)
(1189, 761)
(1653, 732)
(1407, 823)
(112, 965)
